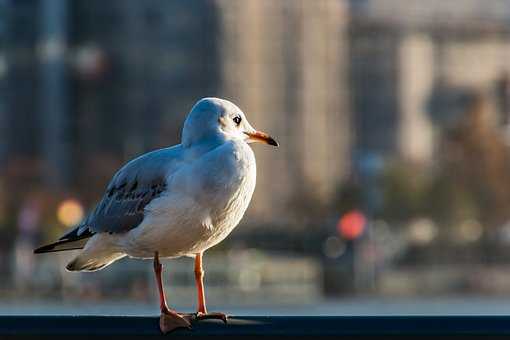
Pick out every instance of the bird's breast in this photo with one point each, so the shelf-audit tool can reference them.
(236, 184)
(233, 189)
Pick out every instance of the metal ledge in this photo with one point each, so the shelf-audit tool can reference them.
(258, 326)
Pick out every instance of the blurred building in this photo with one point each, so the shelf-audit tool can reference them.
(3, 82)
(109, 81)
(286, 64)
(92, 84)
(138, 67)
(401, 62)
(18, 104)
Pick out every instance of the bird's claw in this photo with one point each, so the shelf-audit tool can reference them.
(171, 320)
(214, 315)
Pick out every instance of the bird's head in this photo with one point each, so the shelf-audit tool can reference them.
(214, 118)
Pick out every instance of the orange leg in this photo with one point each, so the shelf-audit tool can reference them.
(169, 319)
(199, 280)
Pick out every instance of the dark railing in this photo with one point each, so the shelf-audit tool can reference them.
(108, 327)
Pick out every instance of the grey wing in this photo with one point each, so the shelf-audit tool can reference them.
(122, 206)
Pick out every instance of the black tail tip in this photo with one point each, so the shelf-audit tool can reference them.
(43, 249)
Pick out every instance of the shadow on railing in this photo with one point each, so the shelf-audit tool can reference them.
(128, 327)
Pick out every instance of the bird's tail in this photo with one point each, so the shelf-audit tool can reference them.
(87, 262)
(100, 251)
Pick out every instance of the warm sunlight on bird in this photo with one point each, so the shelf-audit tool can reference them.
(172, 202)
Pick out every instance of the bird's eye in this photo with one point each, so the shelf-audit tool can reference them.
(237, 120)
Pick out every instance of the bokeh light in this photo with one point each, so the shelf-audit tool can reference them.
(351, 225)
(469, 231)
(333, 247)
(422, 231)
(70, 212)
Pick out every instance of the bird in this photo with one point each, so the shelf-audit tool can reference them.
(174, 202)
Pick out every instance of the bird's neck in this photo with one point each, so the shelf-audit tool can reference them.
(206, 144)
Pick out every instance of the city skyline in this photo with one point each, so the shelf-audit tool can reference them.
(341, 97)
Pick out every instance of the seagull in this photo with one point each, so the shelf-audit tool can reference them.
(173, 202)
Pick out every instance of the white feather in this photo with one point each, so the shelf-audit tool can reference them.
(209, 184)
(205, 201)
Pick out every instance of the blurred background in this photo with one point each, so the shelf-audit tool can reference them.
(389, 194)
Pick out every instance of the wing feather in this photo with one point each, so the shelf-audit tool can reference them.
(131, 189)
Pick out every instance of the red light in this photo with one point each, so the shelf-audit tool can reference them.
(351, 225)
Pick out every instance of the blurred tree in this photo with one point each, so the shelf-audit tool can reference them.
(404, 187)
(476, 163)
(469, 181)
(349, 197)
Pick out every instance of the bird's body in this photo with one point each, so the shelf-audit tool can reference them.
(188, 219)
(192, 213)
(176, 201)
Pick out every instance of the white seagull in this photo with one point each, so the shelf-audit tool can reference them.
(172, 202)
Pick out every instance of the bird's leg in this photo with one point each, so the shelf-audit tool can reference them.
(169, 319)
(199, 280)
(158, 269)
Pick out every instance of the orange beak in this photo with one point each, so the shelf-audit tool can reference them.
(261, 137)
